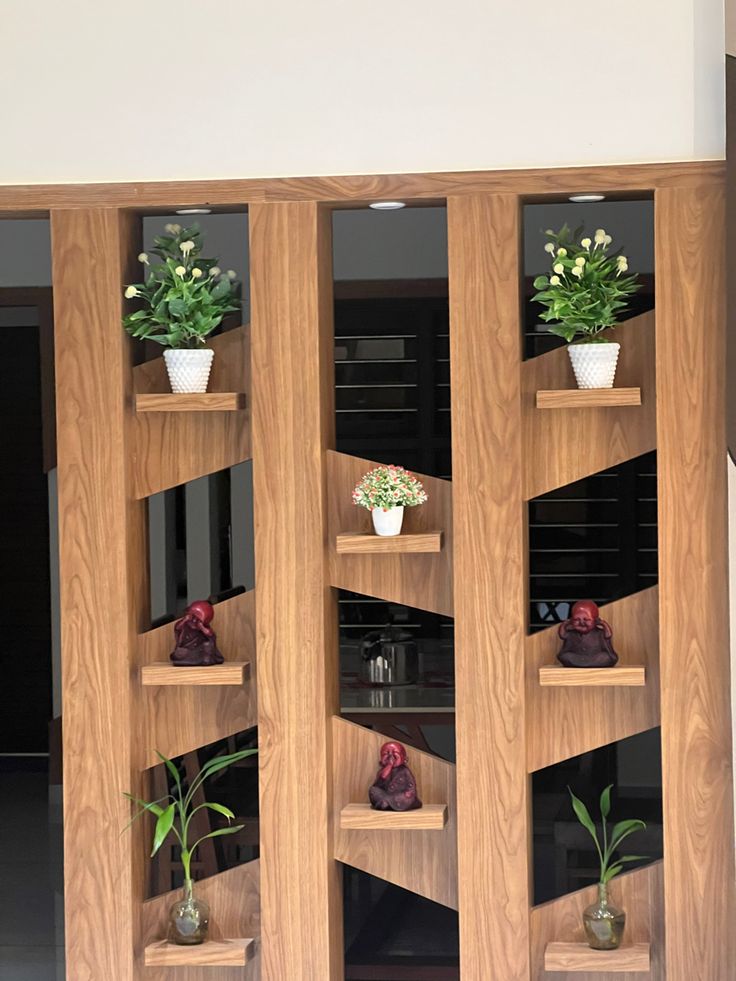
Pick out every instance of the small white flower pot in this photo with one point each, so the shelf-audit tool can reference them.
(189, 370)
(594, 364)
(388, 522)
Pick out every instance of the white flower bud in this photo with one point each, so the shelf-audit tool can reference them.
(143, 257)
(586, 243)
(562, 251)
(215, 271)
(577, 271)
(554, 280)
(130, 292)
(186, 247)
(607, 239)
(580, 261)
(180, 270)
(172, 229)
(231, 274)
(196, 273)
(549, 247)
(600, 236)
(558, 267)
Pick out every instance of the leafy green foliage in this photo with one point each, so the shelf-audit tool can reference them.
(609, 844)
(185, 296)
(586, 290)
(176, 815)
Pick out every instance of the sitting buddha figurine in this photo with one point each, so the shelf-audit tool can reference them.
(196, 642)
(586, 639)
(395, 788)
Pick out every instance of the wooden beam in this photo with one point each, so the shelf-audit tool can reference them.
(490, 587)
(103, 589)
(296, 614)
(693, 583)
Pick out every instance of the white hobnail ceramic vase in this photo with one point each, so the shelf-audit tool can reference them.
(388, 522)
(594, 364)
(189, 370)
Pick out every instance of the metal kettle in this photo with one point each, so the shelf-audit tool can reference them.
(389, 657)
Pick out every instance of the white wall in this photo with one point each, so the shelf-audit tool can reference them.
(138, 90)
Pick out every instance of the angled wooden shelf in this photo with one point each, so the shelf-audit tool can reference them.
(212, 953)
(632, 958)
(587, 398)
(166, 673)
(624, 676)
(360, 543)
(428, 817)
(191, 402)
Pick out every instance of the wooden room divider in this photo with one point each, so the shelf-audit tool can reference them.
(119, 443)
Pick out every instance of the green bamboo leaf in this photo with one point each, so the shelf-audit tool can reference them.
(583, 816)
(214, 806)
(623, 829)
(613, 871)
(631, 858)
(163, 827)
(171, 768)
(605, 803)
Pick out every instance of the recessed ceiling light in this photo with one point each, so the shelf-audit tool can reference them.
(194, 211)
(587, 198)
(387, 205)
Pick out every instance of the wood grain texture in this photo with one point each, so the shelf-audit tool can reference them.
(212, 953)
(576, 958)
(566, 445)
(490, 591)
(177, 719)
(174, 447)
(364, 542)
(697, 756)
(566, 721)
(166, 673)
(639, 893)
(424, 862)
(204, 402)
(587, 398)
(293, 426)
(25, 200)
(234, 903)
(422, 581)
(556, 676)
(103, 589)
(362, 817)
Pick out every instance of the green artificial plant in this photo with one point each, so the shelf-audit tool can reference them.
(609, 867)
(184, 296)
(174, 812)
(586, 290)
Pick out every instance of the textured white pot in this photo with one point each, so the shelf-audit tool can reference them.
(594, 364)
(388, 522)
(189, 370)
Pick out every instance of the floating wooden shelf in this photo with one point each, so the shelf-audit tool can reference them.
(212, 953)
(428, 817)
(362, 542)
(629, 676)
(633, 958)
(587, 398)
(195, 402)
(165, 673)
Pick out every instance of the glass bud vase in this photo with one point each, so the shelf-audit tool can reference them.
(603, 922)
(189, 919)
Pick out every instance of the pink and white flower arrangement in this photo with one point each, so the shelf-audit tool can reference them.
(388, 487)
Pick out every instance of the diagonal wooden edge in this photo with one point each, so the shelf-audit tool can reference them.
(177, 720)
(173, 448)
(422, 580)
(425, 862)
(564, 722)
(566, 445)
(639, 893)
(234, 898)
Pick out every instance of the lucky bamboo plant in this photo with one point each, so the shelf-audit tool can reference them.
(189, 918)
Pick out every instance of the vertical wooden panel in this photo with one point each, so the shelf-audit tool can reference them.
(693, 576)
(296, 617)
(490, 587)
(102, 563)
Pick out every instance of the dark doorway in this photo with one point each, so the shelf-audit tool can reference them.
(27, 452)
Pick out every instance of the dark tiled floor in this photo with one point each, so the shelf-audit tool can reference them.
(32, 920)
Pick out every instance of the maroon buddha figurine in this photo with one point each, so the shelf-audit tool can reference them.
(395, 788)
(196, 643)
(586, 639)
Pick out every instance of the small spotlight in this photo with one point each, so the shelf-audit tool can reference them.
(387, 205)
(587, 198)
(194, 211)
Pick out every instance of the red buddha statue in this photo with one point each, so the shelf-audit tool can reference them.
(395, 788)
(196, 642)
(586, 639)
